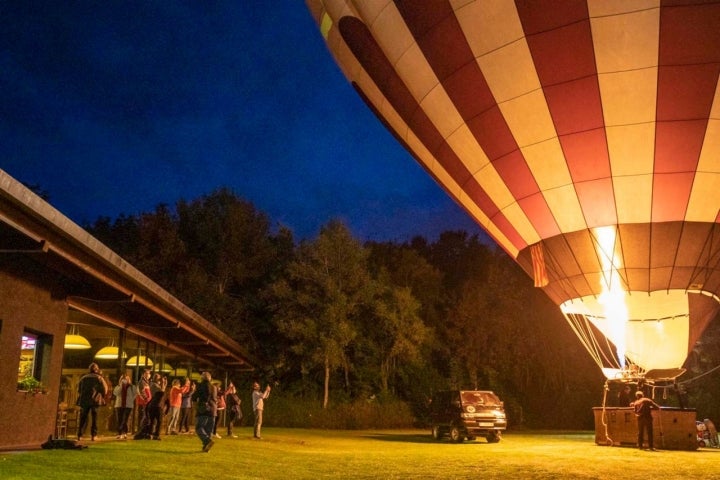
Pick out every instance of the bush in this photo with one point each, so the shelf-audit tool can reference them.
(355, 415)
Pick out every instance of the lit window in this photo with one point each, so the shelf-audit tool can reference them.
(34, 359)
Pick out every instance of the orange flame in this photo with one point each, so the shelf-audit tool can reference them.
(613, 295)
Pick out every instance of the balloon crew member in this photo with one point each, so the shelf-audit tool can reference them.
(643, 411)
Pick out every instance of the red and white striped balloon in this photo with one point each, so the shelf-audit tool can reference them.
(583, 135)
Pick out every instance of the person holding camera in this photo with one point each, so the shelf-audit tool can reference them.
(258, 399)
(186, 406)
(174, 401)
(232, 401)
(125, 393)
(156, 404)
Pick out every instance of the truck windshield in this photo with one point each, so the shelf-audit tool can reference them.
(480, 398)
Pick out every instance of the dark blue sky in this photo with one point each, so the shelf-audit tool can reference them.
(116, 107)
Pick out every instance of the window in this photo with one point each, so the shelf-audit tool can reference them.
(35, 357)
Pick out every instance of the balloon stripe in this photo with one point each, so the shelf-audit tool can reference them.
(371, 57)
(563, 54)
(439, 24)
(672, 191)
(687, 81)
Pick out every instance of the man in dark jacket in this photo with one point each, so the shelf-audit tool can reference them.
(206, 397)
(234, 412)
(643, 411)
(154, 407)
(91, 394)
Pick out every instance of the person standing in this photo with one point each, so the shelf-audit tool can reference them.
(206, 397)
(141, 400)
(186, 406)
(125, 393)
(91, 394)
(220, 410)
(258, 400)
(643, 411)
(155, 406)
(234, 413)
(175, 401)
(624, 397)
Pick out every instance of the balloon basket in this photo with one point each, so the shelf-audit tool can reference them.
(674, 428)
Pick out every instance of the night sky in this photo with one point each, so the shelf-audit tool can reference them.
(115, 107)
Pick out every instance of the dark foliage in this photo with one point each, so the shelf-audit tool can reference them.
(335, 322)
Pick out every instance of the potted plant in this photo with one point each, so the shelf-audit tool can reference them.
(30, 384)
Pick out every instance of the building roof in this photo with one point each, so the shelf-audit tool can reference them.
(105, 286)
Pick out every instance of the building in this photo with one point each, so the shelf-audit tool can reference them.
(67, 300)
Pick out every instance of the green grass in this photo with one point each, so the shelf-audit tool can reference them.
(317, 454)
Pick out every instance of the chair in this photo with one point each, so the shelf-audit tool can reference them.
(61, 422)
(72, 419)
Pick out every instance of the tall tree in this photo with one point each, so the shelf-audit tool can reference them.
(320, 298)
(404, 266)
(161, 253)
(229, 237)
(396, 330)
(460, 257)
(234, 246)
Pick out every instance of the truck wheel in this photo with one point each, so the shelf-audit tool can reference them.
(493, 437)
(455, 435)
(436, 432)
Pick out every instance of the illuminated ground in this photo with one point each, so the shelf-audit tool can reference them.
(312, 454)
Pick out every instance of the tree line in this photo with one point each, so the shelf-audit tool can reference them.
(333, 320)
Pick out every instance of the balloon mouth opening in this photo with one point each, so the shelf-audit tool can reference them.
(632, 374)
(653, 332)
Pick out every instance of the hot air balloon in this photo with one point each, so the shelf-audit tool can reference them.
(582, 135)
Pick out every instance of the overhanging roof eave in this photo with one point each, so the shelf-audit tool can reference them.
(27, 213)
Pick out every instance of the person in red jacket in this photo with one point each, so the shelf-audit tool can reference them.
(144, 395)
(175, 402)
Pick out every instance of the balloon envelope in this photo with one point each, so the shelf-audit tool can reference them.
(584, 136)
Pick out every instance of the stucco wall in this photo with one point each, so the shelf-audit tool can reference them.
(30, 298)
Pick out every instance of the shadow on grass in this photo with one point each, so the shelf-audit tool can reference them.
(415, 438)
(427, 438)
(401, 437)
(708, 450)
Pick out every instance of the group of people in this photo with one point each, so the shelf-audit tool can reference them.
(153, 400)
(206, 395)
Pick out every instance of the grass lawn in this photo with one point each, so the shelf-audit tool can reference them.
(404, 454)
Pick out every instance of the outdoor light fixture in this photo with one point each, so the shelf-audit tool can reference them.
(166, 367)
(75, 341)
(110, 352)
(139, 361)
